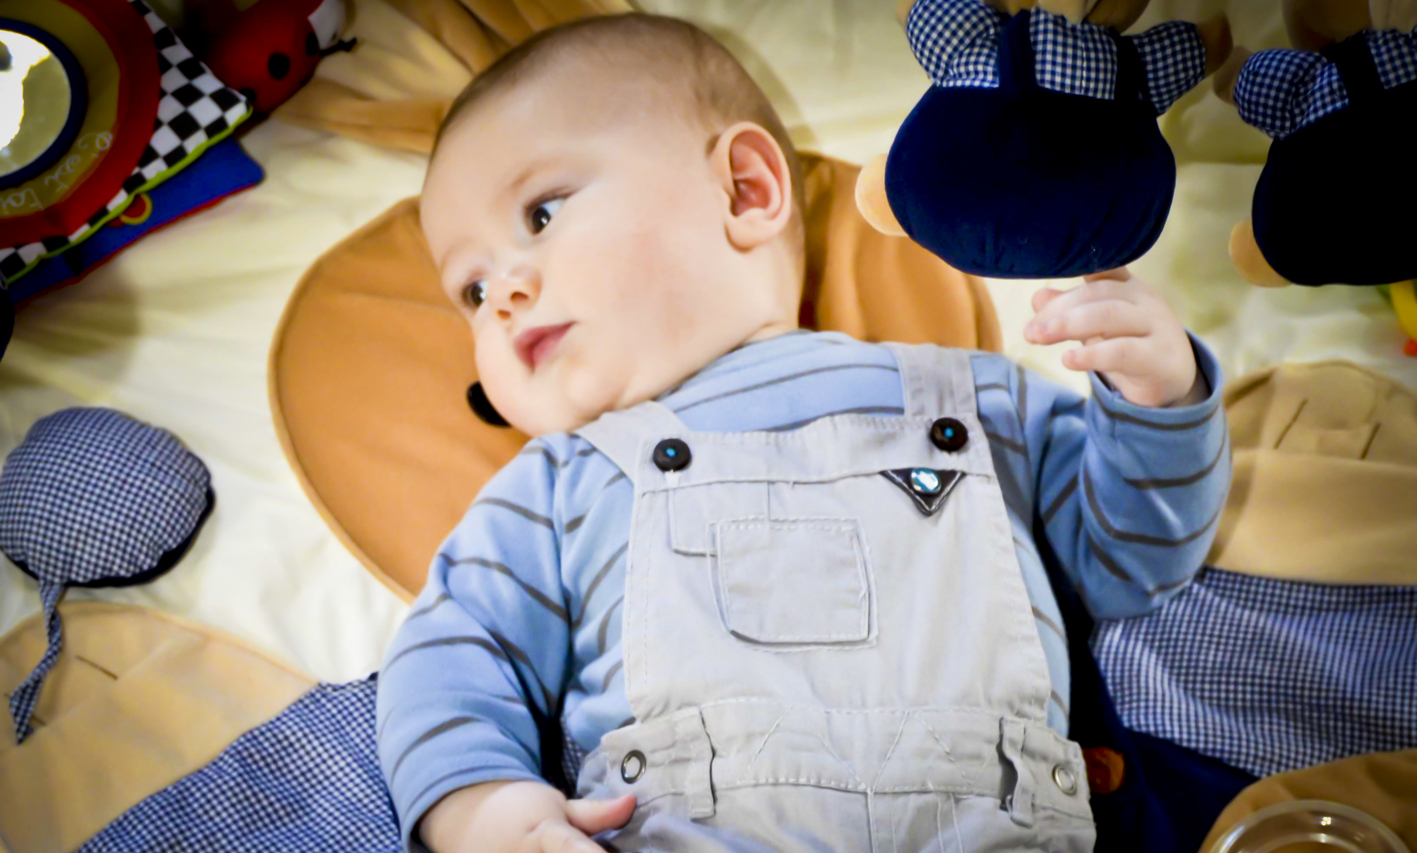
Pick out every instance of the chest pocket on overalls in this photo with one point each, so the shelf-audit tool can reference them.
(793, 579)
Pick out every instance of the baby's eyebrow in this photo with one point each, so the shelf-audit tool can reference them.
(514, 186)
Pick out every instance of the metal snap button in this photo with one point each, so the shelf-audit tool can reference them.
(1065, 779)
(925, 481)
(632, 767)
(948, 434)
(671, 454)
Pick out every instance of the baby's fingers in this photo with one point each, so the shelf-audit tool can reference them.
(1105, 318)
(557, 836)
(1115, 355)
(1043, 296)
(592, 816)
(1115, 274)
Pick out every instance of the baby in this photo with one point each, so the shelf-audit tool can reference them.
(781, 590)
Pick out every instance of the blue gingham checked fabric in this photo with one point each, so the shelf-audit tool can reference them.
(306, 781)
(957, 41)
(1280, 91)
(92, 497)
(195, 108)
(1269, 675)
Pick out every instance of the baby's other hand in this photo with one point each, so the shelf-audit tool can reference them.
(520, 817)
(1129, 334)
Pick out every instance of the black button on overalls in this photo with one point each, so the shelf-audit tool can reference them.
(948, 434)
(671, 454)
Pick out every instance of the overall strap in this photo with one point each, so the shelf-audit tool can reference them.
(937, 380)
(1355, 67)
(1016, 54)
(1131, 71)
(619, 435)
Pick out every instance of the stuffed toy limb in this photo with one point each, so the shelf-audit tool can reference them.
(1036, 153)
(1331, 204)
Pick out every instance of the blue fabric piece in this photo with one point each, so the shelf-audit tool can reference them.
(222, 169)
(992, 180)
(1321, 211)
(306, 781)
(1170, 796)
(92, 497)
(1269, 675)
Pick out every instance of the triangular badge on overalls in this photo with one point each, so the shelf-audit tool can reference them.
(927, 487)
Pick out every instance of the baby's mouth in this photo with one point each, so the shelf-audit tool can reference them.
(535, 345)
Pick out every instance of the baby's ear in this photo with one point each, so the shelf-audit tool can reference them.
(757, 184)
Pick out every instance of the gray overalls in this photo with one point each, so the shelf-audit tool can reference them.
(827, 641)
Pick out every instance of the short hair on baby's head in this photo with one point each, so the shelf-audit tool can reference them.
(683, 60)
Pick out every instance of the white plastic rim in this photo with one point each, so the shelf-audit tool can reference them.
(1332, 824)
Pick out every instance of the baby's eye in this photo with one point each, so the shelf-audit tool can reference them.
(475, 294)
(539, 216)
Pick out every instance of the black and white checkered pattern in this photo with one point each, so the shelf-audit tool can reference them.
(1174, 56)
(1280, 91)
(195, 108)
(1269, 675)
(1079, 59)
(26, 696)
(92, 497)
(957, 41)
(307, 781)
(572, 759)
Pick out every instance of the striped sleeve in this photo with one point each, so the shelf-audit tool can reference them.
(1129, 496)
(477, 667)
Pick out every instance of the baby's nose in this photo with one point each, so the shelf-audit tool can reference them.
(518, 289)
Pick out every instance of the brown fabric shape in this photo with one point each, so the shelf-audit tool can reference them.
(1325, 483)
(1383, 784)
(370, 366)
(138, 700)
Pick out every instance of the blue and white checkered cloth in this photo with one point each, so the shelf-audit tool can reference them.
(307, 781)
(1280, 91)
(92, 497)
(1269, 675)
(957, 42)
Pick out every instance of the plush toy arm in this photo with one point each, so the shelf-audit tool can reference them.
(1175, 56)
(955, 41)
(1272, 90)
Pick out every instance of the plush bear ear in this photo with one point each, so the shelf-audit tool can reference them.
(1074, 10)
(871, 198)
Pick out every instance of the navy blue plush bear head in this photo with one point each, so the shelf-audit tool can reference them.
(1036, 153)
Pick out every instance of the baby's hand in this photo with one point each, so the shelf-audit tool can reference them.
(519, 817)
(1129, 336)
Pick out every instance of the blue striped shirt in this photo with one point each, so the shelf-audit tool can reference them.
(521, 614)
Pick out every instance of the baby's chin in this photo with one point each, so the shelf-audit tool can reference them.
(580, 395)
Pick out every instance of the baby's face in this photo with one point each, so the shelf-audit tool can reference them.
(580, 229)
